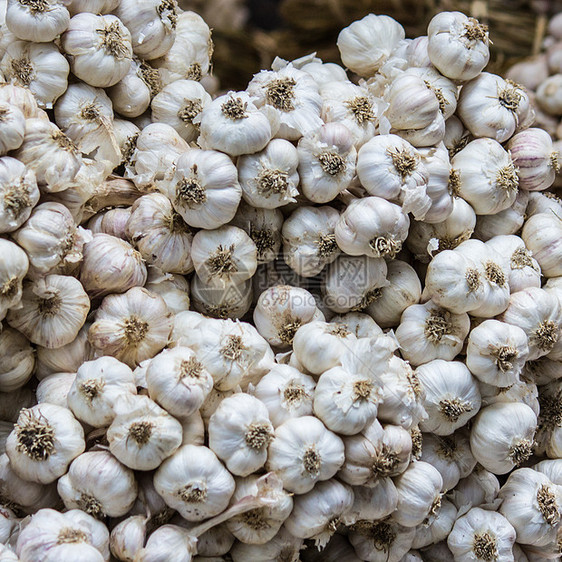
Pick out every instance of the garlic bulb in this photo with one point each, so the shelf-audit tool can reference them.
(54, 389)
(542, 370)
(73, 535)
(168, 542)
(316, 514)
(45, 439)
(174, 289)
(451, 396)
(151, 24)
(309, 242)
(95, 389)
(93, 6)
(543, 202)
(372, 226)
(18, 193)
(12, 128)
(532, 504)
(110, 265)
(478, 488)
(233, 124)
(194, 482)
(373, 502)
(17, 360)
(520, 392)
(496, 352)
(458, 45)
(232, 301)
(53, 309)
(541, 235)
(548, 433)
(486, 176)
(142, 434)
(427, 332)
(99, 48)
(259, 526)
(239, 433)
(535, 157)
(480, 534)
(112, 222)
(537, 313)
(286, 393)
(128, 537)
(50, 154)
(360, 324)
(131, 327)
(548, 95)
(131, 96)
(13, 269)
(366, 44)
(292, 95)
(282, 545)
(326, 162)
(204, 188)
(97, 483)
(435, 531)
(37, 21)
(178, 382)
(269, 178)
(502, 436)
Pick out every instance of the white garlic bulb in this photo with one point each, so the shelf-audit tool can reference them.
(204, 188)
(39, 22)
(286, 392)
(95, 389)
(232, 301)
(54, 389)
(373, 503)
(99, 48)
(366, 44)
(372, 226)
(359, 323)
(17, 360)
(283, 544)
(174, 289)
(239, 433)
(128, 537)
(53, 309)
(427, 332)
(194, 482)
(548, 433)
(131, 327)
(131, 96)
(458, 45)
(437, 530)
(502, 436)
(541, 234)
(13, 269)
(521, 392)
(160, 234)
(496, 352)
(97, 483)
(269, 178)
(505, 222)
(142, 434)
(45, 439)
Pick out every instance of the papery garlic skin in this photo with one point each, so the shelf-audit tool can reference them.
(131, 96)
(97, 483)
(128, 537)
(437, 530)
(45, 439)
(39, 23)
(232, 301)
(13, 269)
(195, 483)
(541, 236)
(174, 289)
(282, 544)
(54, 389)
(17, 360)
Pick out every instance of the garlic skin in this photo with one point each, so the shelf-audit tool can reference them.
(286, 392)
(531, 503)
(53, 309)
(521, 392)
(128, 537)
(505, 222)
(282, 544)
(419, 494)
(366, 44)
(531, 72)
(541, 236)
(39, 23)
(444, 89)
(151, 24)
(95, 389)
(168, 541)
(233, 124)
(326, 162)
(239, 433)
(315, 513)
(8, 527)
(160, 234)
(204, 188)
(359, 323)
(12, 128)
(372, 226)
(45, 439)
(13, 269)
(17, 360)
(458, 45)
(194, 482)
(541, 323)
(178, 382)
(548, 95)
(131, 327)
(269, 178)
(480, 534)
(309, 242)
(93, 6)
(435, 531)
(281, 311)
(174, 289)
(142, 434)
(232, 301)
(292, 96)
(451, 396)
(110, 265)
(131, 96)
(73, 535)
(496, 352)
(99, 48)
(548, 432)
(478, 488)
(54, 389)
(98, 484)
(48, 152)
(506, 443)
(303, 452)
(373, 503)
(427, 332)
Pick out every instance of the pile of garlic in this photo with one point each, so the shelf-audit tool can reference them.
(313, 320)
